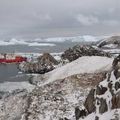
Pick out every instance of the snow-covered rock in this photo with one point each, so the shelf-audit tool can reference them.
(105, 96)
(86, 64)
(44, 63)
(111, 42)
(82, 50)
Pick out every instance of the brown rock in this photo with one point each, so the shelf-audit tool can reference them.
(103, 106)
(46, 58)
(90, 102)
(101, 90)
(116, 101)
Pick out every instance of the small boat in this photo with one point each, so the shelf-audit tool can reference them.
(11, 58)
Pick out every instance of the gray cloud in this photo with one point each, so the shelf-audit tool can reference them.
(44, 16)
(111, 22)
(87, 20)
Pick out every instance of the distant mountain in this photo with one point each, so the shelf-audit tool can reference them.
(82, 50)
(111, 42)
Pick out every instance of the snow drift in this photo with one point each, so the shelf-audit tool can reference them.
(86, 64)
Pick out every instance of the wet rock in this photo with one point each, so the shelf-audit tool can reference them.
(82, 50)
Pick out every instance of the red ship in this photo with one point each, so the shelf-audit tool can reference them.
(7, 58)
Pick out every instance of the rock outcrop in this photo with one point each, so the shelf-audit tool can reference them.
(106, 95)
(82, 50)
(46, 58)
(45, 63)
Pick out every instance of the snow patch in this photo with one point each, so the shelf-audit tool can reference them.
(86, 64)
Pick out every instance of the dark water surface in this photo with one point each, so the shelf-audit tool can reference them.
(7, 71)
(10, 72)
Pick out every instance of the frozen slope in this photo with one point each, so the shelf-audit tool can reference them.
(86, 64)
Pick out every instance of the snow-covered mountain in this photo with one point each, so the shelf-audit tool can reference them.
(49, 41)
(110, 44)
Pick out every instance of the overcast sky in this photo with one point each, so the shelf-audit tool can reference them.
(59, 17)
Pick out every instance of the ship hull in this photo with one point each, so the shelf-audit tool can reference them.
(16, 60)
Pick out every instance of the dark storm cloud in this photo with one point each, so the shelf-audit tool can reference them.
(32, 16)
